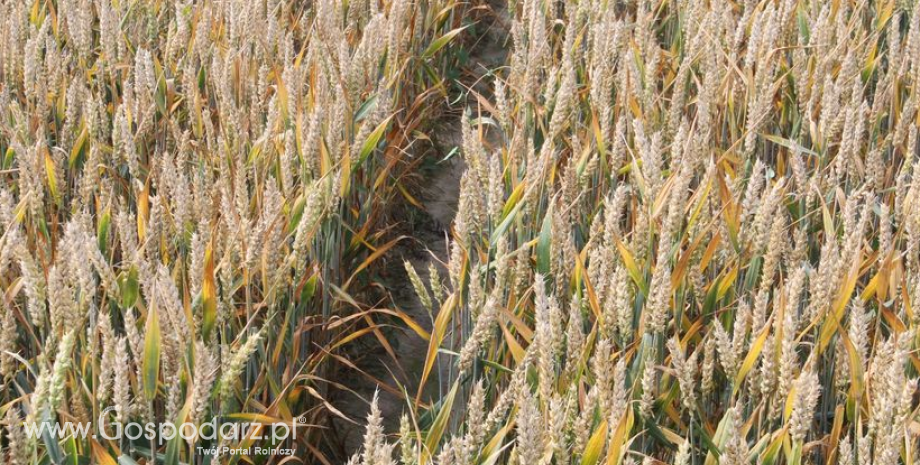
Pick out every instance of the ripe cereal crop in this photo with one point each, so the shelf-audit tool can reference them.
(679, 232)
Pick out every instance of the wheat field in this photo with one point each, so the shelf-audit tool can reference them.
(686, 232)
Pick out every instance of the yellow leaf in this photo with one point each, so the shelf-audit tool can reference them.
(408, 320)
(631, 267)
(491, 449)
(370, 259)
(77, 146)
(595, 445)
(100, 454)
(790, 400)
(440, 329)
(671, 436)
(663, 196)
(513, 199)
(255, 418)
(592, 296)
(405, 193)
(282, 96)
(710, 251)
(726, 283)
(843, 297)
(52, 176)
(751, 358)
(351, 337)
(598, 136)
(516, 350)
(208, 293)
(618, 440)
(143, 212)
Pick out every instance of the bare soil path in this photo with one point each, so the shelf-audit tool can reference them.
(428, 232)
